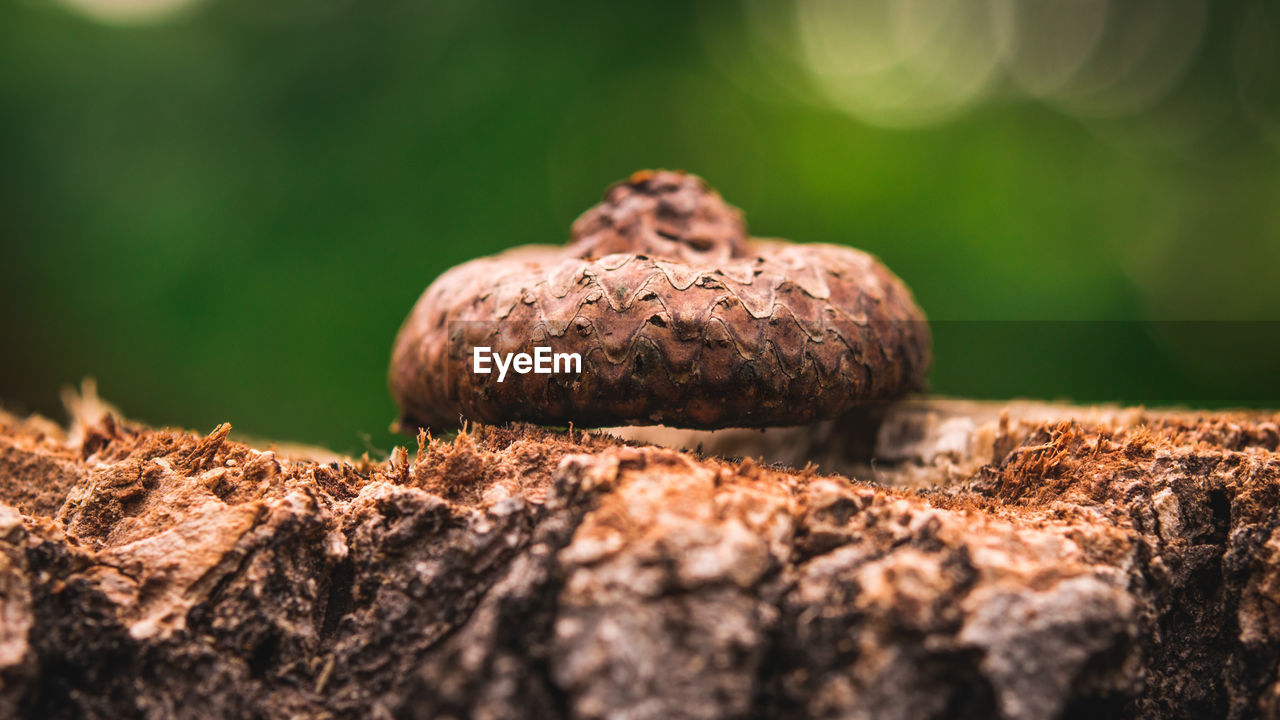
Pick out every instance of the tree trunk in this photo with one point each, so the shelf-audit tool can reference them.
(975, 560)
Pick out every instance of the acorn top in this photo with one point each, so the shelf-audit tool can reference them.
(667, 313)
(667, 214)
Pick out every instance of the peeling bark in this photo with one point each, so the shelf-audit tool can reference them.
(984, 560)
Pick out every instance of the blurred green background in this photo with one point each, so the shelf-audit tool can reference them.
(222, 210)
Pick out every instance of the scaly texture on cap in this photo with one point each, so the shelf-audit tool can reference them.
(679, 317)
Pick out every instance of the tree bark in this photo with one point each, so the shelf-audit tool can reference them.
(939, 558)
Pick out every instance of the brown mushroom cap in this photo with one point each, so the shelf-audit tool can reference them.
(679, 318)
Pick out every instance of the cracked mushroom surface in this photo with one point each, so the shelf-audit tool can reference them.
(679, 318)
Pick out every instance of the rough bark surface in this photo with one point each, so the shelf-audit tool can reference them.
(1017, 561)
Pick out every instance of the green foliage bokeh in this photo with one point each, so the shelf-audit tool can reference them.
(225, 217)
